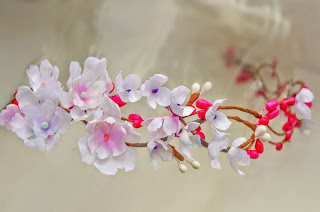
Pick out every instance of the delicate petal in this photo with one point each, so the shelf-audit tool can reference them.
(158, 80)
(151, 99)
(110, 165)
(217, 144)
(111, 109)
(184, 138)
(131, 134)
(77, 114)
(51, 141)
(216, 104)
(171, 125)
(135, 96)
(119, 83)
(21, 127)
(26, 98)
(179, 95)
(238, 156)
(132, 81)
(85, 151)
(163, 97)
(221, 122)
(192, 126)
(306, 126)
(35, 143)
(305, 95)
(302, 111)
(155, 124)
(98, 67)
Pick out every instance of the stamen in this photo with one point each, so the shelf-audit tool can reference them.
(155, 90)
(128, 90)
(215, 116)
(106, 137)
(44, 125)
(83, 95)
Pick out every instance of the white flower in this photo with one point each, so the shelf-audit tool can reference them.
(189, 141)
(127, 88)
(178, 96)
(306, 126)
(218, 143)
(154, 92)
(237, 155)
(106, 148)
(47, 75)
(159, 149)
(217, 119)
(7, 114)
(42, 122)
(86, 89)
(302, 110)
(160, 126)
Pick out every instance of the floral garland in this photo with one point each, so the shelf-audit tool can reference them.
(43, 111)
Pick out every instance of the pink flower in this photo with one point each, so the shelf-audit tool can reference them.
(106, 148)
(86, 89)
(154, 92)
(7, 114)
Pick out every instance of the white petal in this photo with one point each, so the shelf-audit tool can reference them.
(238, 141)
(135, 96)
(163, 97)
(51, 141)
(64, 120)
(85, 151)
(110, 109)
(132, 81)
(158, 80)
(124, 96)
(151, 99)
(170, 125)
(21, 127)
(192, 126)
(45, 70)
(179, 94)
(66, 99)
(35, 143)
(119, 83)
(34, 76)
(26, 98)
(155, 124)
(305, 95)
(302, 111)
(77, 114)
(221, 122)
(131, 134)
(216, 104)
(306, 126)
(98, 67)
(110, 165)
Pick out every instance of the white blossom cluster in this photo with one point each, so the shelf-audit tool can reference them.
(45, 110)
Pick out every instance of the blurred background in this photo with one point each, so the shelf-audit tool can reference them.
(185, 40)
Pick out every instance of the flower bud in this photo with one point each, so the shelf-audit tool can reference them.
(260, 130)
(195, 164)
(272, 105)
(265, 137)
(135, 117)
(253, 154)
(206, 87)
(273, 114)
(118, 100)
(195, 88)
(288, 136)
(264, 120)
(279, 147)
(202, 113)
(259, 146)
(291, 101)
(136, 123)
(203, 104)
(291, 119)
(201, 135)
(183, 168)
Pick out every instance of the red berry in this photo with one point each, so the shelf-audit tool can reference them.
(264, 120)
(288, 136)
(253, 154)
(284, 107)
(279, 147)
(259, 146)
(291, 119)
(202, 113)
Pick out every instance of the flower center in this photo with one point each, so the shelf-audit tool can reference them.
(178, 104)
(215, 116)
(128, 90)
(44, 125)
(155, 90)
(83, 95)
(106, 137)
(155, 147)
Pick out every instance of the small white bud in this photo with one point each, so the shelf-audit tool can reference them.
(265, 137)
(206, 87)
(195, 88)
(195, 164)
(183, 168)
(260, 130)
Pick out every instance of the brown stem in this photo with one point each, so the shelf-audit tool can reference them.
(275, 132)
(250, 125)
(253, 112)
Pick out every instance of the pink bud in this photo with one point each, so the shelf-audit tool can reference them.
(201, 135)
(202, 113)
(287, 113)
(291, 119)
(264, 120)
(285, 126)
(243, 76)
(309, 104)
(203, 104)
(136, 123)
(273, 114)
(259, 146)
(279, 147)
(198, 129)
(117, 100)
(135, 117)
(253, 154)
(272, 105)
(283, 107)
(288, 136)
(291, 101)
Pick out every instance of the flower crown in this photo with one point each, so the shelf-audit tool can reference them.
(43, 111)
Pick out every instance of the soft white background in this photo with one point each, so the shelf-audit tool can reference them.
(181, 39)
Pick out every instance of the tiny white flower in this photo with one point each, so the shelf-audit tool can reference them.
(159, 149)
(160, 126)
(178, 96)
(302, 110)
(189, 141)
(217, 119)
(154, 93)
(7, 114)
(237, 155)
(128, 88)
(218, 143)
(306, 126)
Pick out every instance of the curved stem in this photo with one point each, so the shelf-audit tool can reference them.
(253, 112)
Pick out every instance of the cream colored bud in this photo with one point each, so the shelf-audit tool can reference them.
(183, 168)
(260, 130)
(195, 88)
(206, 87)
(195, 164)
(265, 137)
